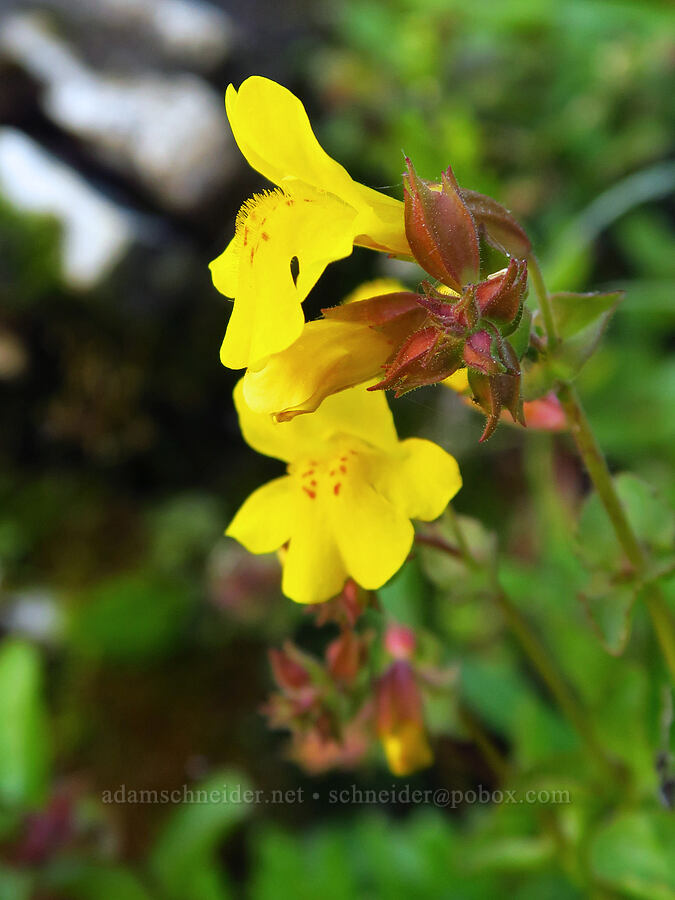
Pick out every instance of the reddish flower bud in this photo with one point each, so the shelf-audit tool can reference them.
(345, 655)
(500, 298)
(400, 720)
(440, 229)
(288, 673)
(346, 608)
(494, 393)
(496, 223)
(481, 355)
(400, 641)
(376, 310)
(545, 413)
(426, 357)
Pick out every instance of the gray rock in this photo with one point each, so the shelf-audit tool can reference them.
(95, 232)
(168, 131)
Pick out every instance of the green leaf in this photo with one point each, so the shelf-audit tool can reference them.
(183, 860)
(94, 881)
(575, 312)
(403, 597)
(634, 854)
(609, 607)
(520, 338)
(24, 763)
(651, 518)
(581, 321)
(611, 592)
(537, 377)
(15, 885)
(131, 616)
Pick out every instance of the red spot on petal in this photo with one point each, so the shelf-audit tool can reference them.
(307, 473)
(313, 482)
(332, 472)
(265, 236)
(245, 236)
(343, 469)
(310, 494)
(336, 488)
(252, 253)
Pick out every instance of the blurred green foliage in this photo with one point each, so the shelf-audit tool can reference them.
(135, 647)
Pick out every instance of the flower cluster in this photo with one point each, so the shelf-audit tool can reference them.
(351, 489)
(337, 708)
(313, 396)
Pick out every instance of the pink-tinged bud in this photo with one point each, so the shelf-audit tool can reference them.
(480, 355)
(440, 229)
(500, 298)
(288, 673)
(317, 753)
(345, 609)
(494, 393)
(400, 641)
(545, 413)
(345, 655)
(496, 223)
(400, 720)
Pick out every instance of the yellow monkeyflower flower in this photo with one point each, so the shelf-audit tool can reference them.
(344, 507)
(285, 238)
(328, 357)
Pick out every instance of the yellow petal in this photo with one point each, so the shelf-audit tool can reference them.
(420, 479)
(225, 268)
(313, 568)
(327, 358)
(374, 288)
(273, 132)
(458, 381)
(272, 230)
(355, 412)
(374, 536)
(407, 749)
(265, 520)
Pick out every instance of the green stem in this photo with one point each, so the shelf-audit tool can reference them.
(537, 653)
(490, 752)
(541, 659)
(462, 543)
(596, 465)
(543, 298)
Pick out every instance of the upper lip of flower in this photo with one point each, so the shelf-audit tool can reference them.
(316, 217)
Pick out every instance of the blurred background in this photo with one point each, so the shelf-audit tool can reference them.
(135, 635)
